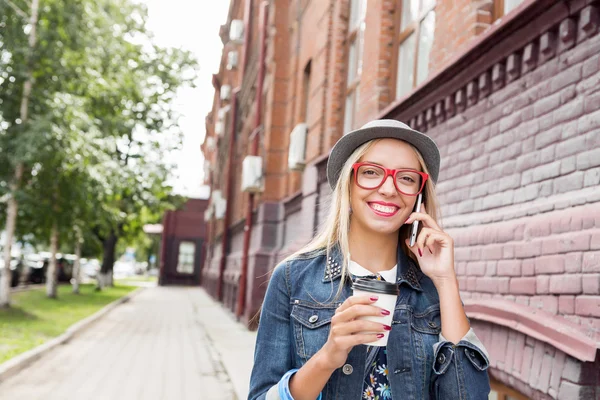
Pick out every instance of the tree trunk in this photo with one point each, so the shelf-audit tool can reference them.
(51, 273)
(12, 207)
(77, 263)
(108, 260)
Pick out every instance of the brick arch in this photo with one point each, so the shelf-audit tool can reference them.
(534, 367)
(553, 330)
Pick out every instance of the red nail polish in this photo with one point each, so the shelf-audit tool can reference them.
(420, 253)
(374, 298)
(385, 312)
(387, 327)
(380, 335)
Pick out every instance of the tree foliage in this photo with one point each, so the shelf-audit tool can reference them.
(100, 120)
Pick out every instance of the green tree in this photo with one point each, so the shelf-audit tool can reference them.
(85, 120)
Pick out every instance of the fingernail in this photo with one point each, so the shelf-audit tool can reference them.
(420, 253)
(380, 335)
(430, 250)
(385, 312)
(374, 298)
(387, 327)
(406, 220)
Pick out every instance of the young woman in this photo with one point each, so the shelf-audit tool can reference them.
(311, 343)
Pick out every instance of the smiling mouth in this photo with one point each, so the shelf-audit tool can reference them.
(385, 211)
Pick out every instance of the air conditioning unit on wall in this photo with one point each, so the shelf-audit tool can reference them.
(208, 213)
(210, 143)
(222, 113)
(219, 128)
(219, 204)
(232, 60)
(252, 174)
(225, 92)
(297, 150)
(236, 31)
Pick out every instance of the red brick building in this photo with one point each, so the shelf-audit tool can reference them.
(183, 244)
(510, 92)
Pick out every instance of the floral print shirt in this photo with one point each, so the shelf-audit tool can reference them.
(376, 385)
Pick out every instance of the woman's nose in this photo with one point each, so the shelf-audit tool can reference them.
(388, 186)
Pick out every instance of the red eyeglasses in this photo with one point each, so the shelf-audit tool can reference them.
(372, 176)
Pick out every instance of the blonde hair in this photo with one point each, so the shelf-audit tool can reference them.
(336, 227)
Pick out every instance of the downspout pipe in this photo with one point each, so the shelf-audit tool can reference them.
(263, 20)
(228, 193)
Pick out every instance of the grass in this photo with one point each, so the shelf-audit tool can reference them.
(34, 319)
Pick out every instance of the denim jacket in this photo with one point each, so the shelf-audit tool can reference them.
(294, 325)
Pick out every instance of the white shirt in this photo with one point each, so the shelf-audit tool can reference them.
(358, 270)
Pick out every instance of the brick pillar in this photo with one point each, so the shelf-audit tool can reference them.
(261, 258)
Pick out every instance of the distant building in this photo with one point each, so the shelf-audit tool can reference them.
(183, 244)
(510, 92)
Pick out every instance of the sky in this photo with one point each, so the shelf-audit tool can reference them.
(191, 25)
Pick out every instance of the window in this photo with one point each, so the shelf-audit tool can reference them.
(414, 42)
(503, 7)
(185, 258)
(356, 29)
(502, 392)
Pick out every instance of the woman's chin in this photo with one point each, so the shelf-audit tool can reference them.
(383, 227)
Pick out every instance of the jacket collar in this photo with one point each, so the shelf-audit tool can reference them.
(408, 272)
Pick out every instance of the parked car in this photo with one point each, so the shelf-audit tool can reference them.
(16, 270)
(37, 268)
(64, 266)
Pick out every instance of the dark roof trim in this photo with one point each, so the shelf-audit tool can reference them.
(520, 28)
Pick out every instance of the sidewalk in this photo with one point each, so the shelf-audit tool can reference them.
(166, 343)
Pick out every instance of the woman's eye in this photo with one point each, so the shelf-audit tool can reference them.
(407, 179)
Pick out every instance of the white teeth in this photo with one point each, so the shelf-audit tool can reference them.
(384, 209)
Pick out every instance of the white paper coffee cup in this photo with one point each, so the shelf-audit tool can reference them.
(387, 294)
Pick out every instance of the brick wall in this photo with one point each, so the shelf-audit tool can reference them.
(460, 20)
(519, 136)
(515, 109)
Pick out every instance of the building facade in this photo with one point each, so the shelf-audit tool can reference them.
(510, 92)
(183, 244)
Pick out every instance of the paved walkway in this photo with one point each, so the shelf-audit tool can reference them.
(166, 343)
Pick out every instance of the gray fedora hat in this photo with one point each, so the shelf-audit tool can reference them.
(380, 129)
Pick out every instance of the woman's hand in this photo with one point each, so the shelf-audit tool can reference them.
(434, 249)
(348, 331)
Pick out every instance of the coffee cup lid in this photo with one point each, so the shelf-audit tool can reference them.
(375, 286)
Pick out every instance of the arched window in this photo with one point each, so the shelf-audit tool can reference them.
(356, 29)
(503, 7)
(414, 40)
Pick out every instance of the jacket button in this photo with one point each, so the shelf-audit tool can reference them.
(313, 319)
(347, 369)
(441, 358)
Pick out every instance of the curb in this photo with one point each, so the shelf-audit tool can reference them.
(23, 360)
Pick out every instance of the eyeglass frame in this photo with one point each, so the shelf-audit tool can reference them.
(388, 172)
